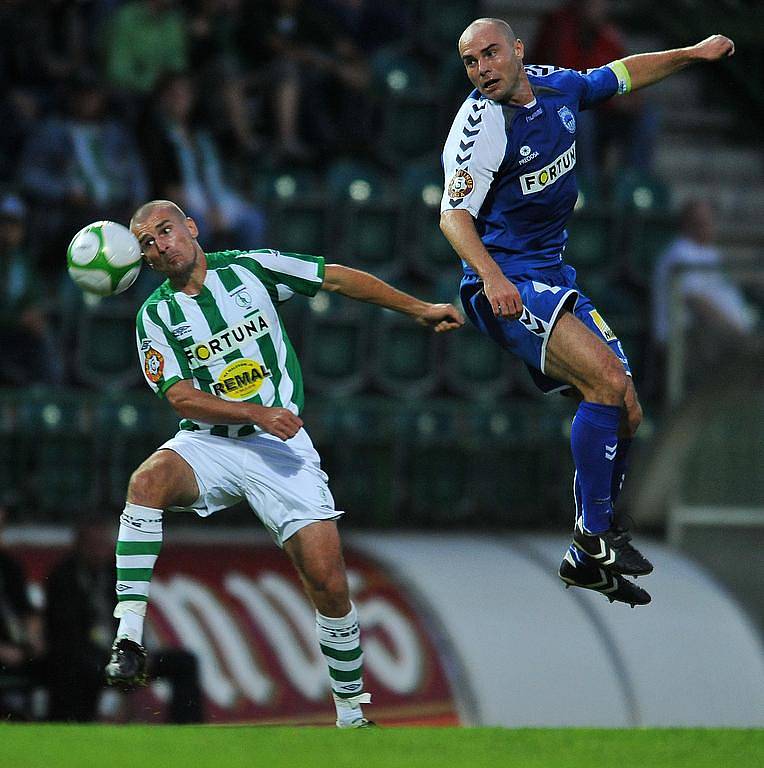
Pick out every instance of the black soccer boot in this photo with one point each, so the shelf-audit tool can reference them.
(611, 550)
(126, 669)
(592, 576)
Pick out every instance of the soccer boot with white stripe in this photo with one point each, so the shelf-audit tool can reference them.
(126, 669)
(592, 576)
(361, 722)
(612, 550)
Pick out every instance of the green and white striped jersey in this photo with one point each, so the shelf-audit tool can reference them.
(229, 339)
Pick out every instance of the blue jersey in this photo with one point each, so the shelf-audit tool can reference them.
(513, 167)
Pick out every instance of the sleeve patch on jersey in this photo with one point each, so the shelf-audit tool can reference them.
(153, 364)
(461, 184)
(607, 334)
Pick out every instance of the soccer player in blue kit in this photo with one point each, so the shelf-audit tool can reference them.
(509, 164)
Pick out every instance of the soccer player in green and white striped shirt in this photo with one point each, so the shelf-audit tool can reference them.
(211, 341)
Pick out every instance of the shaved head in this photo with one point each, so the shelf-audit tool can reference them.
(493, 59)
(500, 25)
(148, 208)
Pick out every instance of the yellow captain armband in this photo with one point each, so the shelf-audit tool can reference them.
(622, 73)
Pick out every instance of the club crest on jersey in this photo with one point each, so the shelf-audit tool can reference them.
(461, 184)
(242, 298)
(568, 119)
(153, 364)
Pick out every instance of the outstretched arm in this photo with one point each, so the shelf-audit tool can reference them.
(362, 286)
(648, 68)
(459, 229)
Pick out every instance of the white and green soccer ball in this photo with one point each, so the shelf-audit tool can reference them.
(104, 258)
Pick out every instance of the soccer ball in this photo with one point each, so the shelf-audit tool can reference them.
(104, 258)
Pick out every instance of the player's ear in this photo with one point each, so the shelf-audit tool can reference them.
(519, 49)
(192, 228)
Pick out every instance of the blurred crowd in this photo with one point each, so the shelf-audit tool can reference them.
(53, 649)
(107, 103)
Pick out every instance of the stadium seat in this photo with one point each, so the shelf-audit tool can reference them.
(405, 358)
(445, 22)
(647, 235)
(131, 426)
(411, 124)
(59, 452)
(335, 345)
(474, 366)
(430, 254)
(439, 461)
(106, 355)
(356, 440)
(635, 190)
(299, 226)
(592, 240)
(370, 238)
(367, 221)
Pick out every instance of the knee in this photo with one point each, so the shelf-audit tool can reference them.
(149, 485)
(613, 383)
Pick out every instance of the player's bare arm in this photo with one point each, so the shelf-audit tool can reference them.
(192, 403)
(648, 68)
(359, 285)
(459, 229)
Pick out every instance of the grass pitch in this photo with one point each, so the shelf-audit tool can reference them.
(100, 746)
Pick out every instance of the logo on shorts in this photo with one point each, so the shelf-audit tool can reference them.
(604, 328)
(461, 184)
(153, 365)
(568, 119)
(241, 379)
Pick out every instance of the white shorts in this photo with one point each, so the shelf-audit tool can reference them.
(282, 481)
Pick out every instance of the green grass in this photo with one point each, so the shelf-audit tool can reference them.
(100, 746)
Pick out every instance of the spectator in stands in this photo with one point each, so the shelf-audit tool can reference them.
(81, 166)
(31, 353)
(622, 132)
(232, 105)
(79, 628)
(185, 164)
(147, 39)
(720, 322)
(21, 638)
(318, 78)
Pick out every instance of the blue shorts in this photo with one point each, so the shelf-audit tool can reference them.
(545, 293)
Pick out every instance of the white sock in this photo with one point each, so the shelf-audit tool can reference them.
(138, 544)
(340, 642)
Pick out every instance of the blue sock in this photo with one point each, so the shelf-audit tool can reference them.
(594, 441)
(620, 467)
